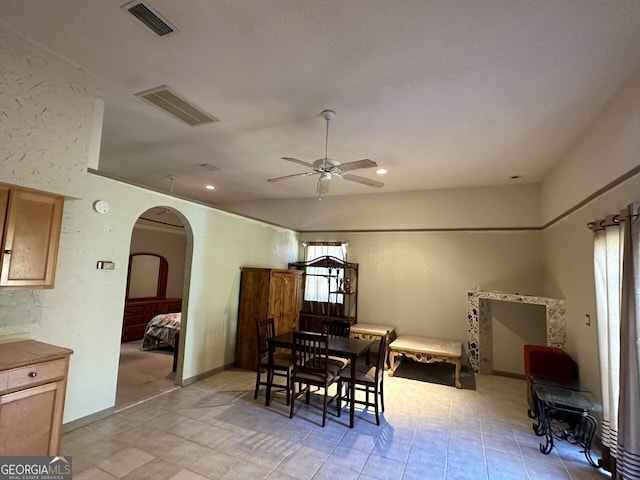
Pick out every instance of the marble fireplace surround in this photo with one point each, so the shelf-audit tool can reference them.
(479, 328)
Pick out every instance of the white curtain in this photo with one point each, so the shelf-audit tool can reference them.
(317, 287)
(628, 449)
(608, 246)
(617, 283)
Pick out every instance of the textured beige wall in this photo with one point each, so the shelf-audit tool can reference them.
(43, 146)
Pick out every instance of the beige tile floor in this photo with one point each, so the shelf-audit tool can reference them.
(214, 429)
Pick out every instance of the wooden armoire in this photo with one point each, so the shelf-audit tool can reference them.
(265, 293)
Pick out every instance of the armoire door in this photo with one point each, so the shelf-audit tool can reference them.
(284, 300)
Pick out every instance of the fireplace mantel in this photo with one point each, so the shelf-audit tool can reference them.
(479, 324)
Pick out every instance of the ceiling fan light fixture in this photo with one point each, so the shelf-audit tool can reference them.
(210, 187)
(327, 168)
(381, 171)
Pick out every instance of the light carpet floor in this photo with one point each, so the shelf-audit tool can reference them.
(142, 375)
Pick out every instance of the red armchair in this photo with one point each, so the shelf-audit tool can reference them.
(551, 362)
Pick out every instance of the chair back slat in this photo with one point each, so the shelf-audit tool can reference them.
(310, 352)
(266, 331)
(382, 353)
(336, 328)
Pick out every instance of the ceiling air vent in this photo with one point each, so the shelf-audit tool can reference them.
(151, 19)
(163, 98)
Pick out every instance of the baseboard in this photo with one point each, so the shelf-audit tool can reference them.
(508, 374)
(209, 373)
(81, 422)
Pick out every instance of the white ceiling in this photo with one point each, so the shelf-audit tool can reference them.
(441, 93)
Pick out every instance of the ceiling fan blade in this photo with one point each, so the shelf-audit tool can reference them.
(300, 162)
(366, 163)
(364, 181)
(323, 185)
(277, 179)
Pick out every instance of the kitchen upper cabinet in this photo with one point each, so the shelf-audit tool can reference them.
(30, 223)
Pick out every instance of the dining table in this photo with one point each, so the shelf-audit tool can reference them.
(343, 347)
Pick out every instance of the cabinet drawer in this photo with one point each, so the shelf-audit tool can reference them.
(36, 374)
(4, 380)
(134, 320)
(134, 310)
(134, 331)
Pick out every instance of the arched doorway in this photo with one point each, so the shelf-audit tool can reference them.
(150, 358)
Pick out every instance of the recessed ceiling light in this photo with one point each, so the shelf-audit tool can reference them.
(210, 187)
(515, 177)
(381, 171)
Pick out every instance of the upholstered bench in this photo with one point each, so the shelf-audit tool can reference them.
(426, 350)
(373, 332)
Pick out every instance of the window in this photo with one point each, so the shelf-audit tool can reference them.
(317, 282)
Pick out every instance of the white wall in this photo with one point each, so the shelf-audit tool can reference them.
(84, 310)
(418, 281)
(514, 206)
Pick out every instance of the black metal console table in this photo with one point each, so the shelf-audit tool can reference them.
(564, 413)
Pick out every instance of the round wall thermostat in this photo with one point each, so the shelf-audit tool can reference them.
(101, 206)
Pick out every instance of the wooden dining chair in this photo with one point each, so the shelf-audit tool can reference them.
(282, 361)
(369, 379)
(335, 328)
(312, 368)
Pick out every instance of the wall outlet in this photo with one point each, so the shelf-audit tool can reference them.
(587, 318)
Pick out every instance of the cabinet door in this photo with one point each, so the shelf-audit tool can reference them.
(31, 236)
(254, 296)
(284, 300)
(30, 420)
(4, 204)
(292, 301)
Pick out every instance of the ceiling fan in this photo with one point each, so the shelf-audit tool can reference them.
(327, 168)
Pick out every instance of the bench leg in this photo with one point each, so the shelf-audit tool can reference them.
(458, 384)
(394, 365)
